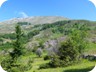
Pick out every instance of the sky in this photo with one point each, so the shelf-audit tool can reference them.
(72, 9)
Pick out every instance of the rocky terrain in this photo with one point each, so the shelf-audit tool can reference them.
(8, 25)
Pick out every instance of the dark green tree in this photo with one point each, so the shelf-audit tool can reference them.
(17, 45)
(68, 53)
(11, 62)
(71, 50)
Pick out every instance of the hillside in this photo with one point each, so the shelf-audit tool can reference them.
(41, 41)
(8, 25)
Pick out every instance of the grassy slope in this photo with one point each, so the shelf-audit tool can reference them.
(91, 49)
(83, 66)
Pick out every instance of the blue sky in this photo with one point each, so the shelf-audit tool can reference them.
(73, 9)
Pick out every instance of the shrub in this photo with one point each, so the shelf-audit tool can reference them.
(44, 66)
(68, 52)
(55, 61)
(16, 69)
(6, 63)
(46, 57)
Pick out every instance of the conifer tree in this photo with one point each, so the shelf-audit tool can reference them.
(18, 48)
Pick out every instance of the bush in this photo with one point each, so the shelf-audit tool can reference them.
(68, 52)
(15, 69)
(44, 66)
(55, 61)
(6, 63)
(46, 57)
(21, 68)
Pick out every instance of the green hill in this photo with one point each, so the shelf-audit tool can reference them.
(45, 34)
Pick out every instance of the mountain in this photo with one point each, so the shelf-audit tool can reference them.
(8, 25)
(35, 20)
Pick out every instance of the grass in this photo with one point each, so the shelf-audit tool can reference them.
(83, 66)
(91, 48)
(56, 35)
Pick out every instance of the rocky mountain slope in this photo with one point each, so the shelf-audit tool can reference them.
(8, 25)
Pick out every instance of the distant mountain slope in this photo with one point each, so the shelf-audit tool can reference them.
(35, 20)
(8, 26)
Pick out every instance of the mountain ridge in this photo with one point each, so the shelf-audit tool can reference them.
(35, 19)
(8, 26)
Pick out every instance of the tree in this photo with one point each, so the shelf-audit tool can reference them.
(71, 49)
(10, 62)
(67, 55)
(18, 48)
(68, 52)
(78, 36)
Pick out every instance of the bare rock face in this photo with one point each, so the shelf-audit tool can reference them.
(53, 43)
(39, 52)
(31, 45)
(36, 19)
(52, 46)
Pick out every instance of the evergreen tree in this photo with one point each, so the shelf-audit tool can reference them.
(18, 48)
(10, 62)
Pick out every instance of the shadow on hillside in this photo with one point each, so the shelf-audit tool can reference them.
(80, 70)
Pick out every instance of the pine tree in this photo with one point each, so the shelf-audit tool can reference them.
(18, 48)
(11, 61)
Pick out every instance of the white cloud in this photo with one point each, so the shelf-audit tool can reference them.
(23, 14)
